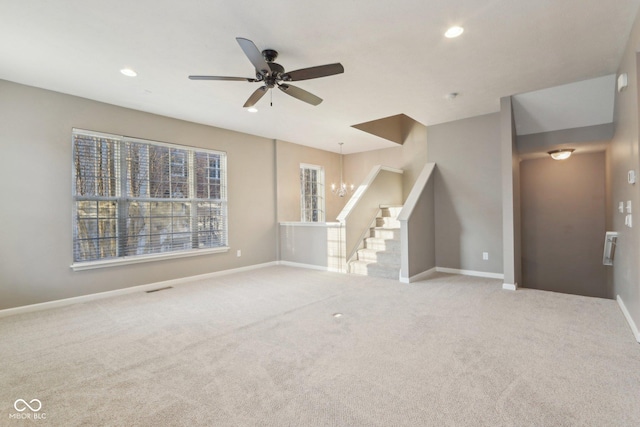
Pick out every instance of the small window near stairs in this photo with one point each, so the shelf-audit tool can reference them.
(311, 193)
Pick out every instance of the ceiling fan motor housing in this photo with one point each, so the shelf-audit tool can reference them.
(269, 55)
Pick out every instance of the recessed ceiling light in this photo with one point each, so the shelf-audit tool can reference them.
(337, 315)
(128, 72)
(252, 109)
(453, 32)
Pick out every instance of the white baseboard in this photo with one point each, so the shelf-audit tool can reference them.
(141, 288)
(418, 276)
(510, 286)
(470, 273)
(630, 321)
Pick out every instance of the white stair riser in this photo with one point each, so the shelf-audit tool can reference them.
(382, 244)
(381, 255)
(387, 223)
(391, 258)
(385, 233)
(392, 212)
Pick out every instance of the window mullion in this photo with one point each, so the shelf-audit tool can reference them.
(122, 204)
(191, 175)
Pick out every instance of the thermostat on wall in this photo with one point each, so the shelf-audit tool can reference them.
(622, 81)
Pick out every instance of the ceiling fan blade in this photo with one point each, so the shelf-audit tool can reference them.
(233, 79)
(254, 55)
(313, 72)
(300, 94)
(255, 97)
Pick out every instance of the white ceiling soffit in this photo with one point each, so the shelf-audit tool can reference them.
(396, 58)
(574, 105)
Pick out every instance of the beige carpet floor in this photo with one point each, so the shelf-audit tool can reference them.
(263, 348)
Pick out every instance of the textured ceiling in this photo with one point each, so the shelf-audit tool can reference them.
(395, 56)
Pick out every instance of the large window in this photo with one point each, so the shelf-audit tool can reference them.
(311, 193)
(136, 198)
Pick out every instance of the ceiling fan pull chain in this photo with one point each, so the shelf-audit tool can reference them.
(271, 102)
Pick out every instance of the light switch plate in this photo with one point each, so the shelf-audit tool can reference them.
(629, 206)
(621, 207)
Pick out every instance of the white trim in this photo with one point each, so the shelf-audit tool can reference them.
(419, 276)
(627, 316)
(309, 224)
(390, 169)
(90, 265)
(510, 286)
(133, 289)
(98, 134)
(416, 192)
(470, 273)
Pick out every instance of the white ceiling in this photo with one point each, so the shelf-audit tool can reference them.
(395, 56)
(574, 105)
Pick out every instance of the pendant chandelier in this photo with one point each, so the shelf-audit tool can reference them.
(343, 188)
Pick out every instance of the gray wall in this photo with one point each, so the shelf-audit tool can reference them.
(35, 214)
(418, 227)
(317, 245)
(468, 193)
(623, 156)
(563, 224)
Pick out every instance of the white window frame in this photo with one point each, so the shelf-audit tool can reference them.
(319, 195)
(122, 196)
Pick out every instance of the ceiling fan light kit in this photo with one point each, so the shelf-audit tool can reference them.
(272, 74)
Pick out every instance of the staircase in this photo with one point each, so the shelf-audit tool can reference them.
(380, 254)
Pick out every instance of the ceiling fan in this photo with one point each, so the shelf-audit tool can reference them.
(273, 75)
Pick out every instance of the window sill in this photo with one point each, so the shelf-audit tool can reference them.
(309, 224)
(90, 265)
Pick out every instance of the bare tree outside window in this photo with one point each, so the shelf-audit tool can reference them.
(311, 193)
(136, 198)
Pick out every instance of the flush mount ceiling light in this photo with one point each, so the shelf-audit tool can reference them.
(561, 154)
(128, 72)
(252, 109)
(454, 32)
